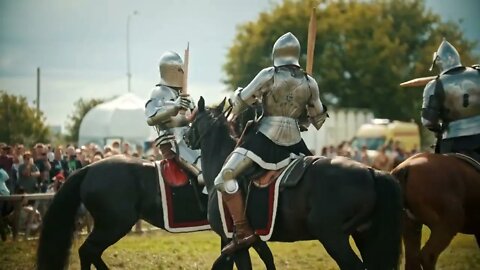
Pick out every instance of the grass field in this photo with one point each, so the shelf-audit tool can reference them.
(161, 250)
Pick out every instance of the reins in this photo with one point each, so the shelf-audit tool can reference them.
(225, 113)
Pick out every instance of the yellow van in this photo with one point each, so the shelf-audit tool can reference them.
(381, 131)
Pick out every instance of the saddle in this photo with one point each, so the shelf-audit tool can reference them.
(470, 160)
(288, 176)
(263, 194)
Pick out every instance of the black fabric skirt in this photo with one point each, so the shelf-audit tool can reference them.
(269, 151)
(462, 144)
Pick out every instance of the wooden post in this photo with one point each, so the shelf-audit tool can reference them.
(312, 35)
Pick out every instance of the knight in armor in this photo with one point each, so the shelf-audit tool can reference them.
(451, 103)
(166, 110)
(289, 97)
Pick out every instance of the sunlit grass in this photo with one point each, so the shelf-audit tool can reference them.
(161, 250)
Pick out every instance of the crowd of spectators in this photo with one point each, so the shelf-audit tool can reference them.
(44, 167)
(385, 158)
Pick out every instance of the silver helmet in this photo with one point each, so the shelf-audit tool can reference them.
(286, 50)
(171, 69)
(446, 57)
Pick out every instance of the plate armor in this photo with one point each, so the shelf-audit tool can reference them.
(454, 97)
(287, 94)
(164, 113)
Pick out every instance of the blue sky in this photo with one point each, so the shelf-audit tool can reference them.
(80, 45)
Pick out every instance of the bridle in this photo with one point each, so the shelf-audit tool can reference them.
(194, 129)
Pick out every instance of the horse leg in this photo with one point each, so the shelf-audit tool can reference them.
(104, 234)
(361, 239)
(242, 259)
(265, 254)
(3, 229)
(224, 261)
(477, 237)
(438, 241)
(338, 247)
(412, 235)
(326, 225)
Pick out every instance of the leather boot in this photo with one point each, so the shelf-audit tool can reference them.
(244, 236)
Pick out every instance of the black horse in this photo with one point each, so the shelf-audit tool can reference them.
(336, 198)
(117, 192)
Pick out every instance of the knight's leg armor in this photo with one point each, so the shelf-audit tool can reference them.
(166, 150)
(190, 160)
(164, 144)
(227, 183)
(192, 168)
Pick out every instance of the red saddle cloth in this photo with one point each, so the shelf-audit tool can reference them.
(172, 173)
(183, 209)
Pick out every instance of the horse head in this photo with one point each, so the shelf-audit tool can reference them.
(205, 121)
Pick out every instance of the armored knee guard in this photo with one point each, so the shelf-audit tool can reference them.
(236, 164)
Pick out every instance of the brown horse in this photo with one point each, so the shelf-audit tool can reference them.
(442, 192)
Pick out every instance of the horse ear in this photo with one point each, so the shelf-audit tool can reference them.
(201, 104)
(221, 106)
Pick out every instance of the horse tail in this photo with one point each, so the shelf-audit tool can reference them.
(384, 243)
(59, 224)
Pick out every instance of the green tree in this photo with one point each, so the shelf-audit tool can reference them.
(363, 50)
(20, 122)
(82, 107)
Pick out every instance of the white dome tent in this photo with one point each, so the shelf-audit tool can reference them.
(121, 119)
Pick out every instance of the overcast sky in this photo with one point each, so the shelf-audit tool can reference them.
(80, 45)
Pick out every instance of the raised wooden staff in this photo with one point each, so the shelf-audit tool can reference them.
(185, 68)
(418, 82)
(312, 35)
(185, 74)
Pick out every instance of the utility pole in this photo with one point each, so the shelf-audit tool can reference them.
(38, 89)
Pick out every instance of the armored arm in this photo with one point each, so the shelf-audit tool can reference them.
(242, 98)
(317, 112)
(304, 122)
(164, 106)
(157, 113)
(431, 108)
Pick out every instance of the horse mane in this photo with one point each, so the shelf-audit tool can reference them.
(230, 126)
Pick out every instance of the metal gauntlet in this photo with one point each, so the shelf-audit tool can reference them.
(317, 119)
(238, 104)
